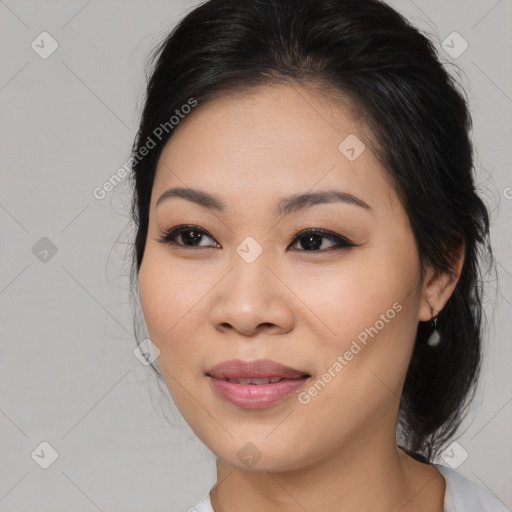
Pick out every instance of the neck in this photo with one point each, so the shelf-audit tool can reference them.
(370, 474)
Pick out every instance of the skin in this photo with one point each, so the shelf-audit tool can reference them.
(303, 309)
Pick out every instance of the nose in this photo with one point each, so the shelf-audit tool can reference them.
(252, 298)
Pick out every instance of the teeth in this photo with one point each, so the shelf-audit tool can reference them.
(260, 381)
(255, 381)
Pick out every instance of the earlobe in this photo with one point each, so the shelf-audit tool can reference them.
(438, 287)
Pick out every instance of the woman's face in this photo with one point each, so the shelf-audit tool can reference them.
(243, 286)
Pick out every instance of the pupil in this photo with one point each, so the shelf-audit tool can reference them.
(310, 244)
(188, 236)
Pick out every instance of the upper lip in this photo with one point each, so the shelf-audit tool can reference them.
(258, 369)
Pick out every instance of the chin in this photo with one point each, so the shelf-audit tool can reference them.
(257, 454)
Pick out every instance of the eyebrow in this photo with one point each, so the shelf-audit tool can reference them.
(285, 205)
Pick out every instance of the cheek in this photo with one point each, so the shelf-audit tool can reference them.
(169, 291)
(365, 289)
(172, 294)
(370, 309)
(165, 300)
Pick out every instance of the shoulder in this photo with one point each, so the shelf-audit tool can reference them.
(204, 505)
(463, 495)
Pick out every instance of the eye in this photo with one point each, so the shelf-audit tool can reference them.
(311, 239)
(191, 236)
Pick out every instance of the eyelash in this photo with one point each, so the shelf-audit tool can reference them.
(170, 235)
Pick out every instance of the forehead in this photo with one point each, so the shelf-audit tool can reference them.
(268, 143)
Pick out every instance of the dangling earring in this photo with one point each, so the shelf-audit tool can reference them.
(435, 337)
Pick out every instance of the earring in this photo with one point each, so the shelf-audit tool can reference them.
(435, 337)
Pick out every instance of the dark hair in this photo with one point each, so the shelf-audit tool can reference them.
(418, 120)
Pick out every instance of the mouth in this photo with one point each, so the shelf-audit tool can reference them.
(256, 384)
(255, 381)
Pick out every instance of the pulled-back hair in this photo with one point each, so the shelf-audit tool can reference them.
(420, 126)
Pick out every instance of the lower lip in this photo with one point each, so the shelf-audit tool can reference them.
(257, 396)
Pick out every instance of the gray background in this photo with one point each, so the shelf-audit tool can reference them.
(68, 375)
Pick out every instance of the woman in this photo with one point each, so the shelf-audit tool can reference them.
(307, 254)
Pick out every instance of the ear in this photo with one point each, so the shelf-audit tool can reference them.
(438, 287)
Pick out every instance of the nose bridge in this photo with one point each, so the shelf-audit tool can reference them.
(250, 250)
(250, 262)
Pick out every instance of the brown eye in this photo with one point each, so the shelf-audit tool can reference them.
(191, 236)
(311, 240)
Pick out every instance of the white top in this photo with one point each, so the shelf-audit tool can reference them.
(461, 495)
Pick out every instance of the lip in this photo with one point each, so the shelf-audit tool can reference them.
(256, 396)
